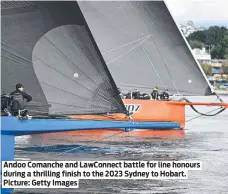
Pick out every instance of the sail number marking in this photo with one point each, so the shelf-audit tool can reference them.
(132, 107)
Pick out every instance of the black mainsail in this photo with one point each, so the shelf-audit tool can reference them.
(48, 47)
(143, 46)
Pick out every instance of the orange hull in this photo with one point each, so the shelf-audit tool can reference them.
(146, 110)
(153, 110)
(156, 110)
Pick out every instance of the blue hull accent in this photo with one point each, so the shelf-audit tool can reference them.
(7, 154)
(12, 127)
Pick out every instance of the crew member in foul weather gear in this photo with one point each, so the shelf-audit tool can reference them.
(128, 95)
(5, 105)
(120, 93)
(136, 94)
(18, 98)
(155, 93)
(164, 95)
(146, 96)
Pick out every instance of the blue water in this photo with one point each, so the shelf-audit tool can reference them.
(205, 139)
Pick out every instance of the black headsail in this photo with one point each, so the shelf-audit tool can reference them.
(48, 47)
(143, 46)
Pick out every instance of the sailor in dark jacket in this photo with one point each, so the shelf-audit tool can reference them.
(146, 96)
(5, 103)
(155, 93)
(164, 95)
(18, 99)
(136, 94)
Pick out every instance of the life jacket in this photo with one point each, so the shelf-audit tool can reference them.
(155, 90)
(17, 102)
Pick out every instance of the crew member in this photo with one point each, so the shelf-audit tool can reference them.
(155, 93)
(128, 95)
(136, 94)
(5, 105)
(146, 96)
(18, 101)
(164, 95)
(120, 93)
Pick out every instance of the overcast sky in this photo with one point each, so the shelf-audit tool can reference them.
(204, 12)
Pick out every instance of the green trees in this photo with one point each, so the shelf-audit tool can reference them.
(198, 36)
(221, 49)
(196, 44)
(214, 39)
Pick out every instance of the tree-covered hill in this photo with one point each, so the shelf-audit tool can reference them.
(214, 39)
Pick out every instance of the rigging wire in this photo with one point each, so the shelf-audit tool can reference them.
(153, 66)
(84, 145)
(219, 98)
(129, 50)
(166, 67)
(204, 114)
(114, 49)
